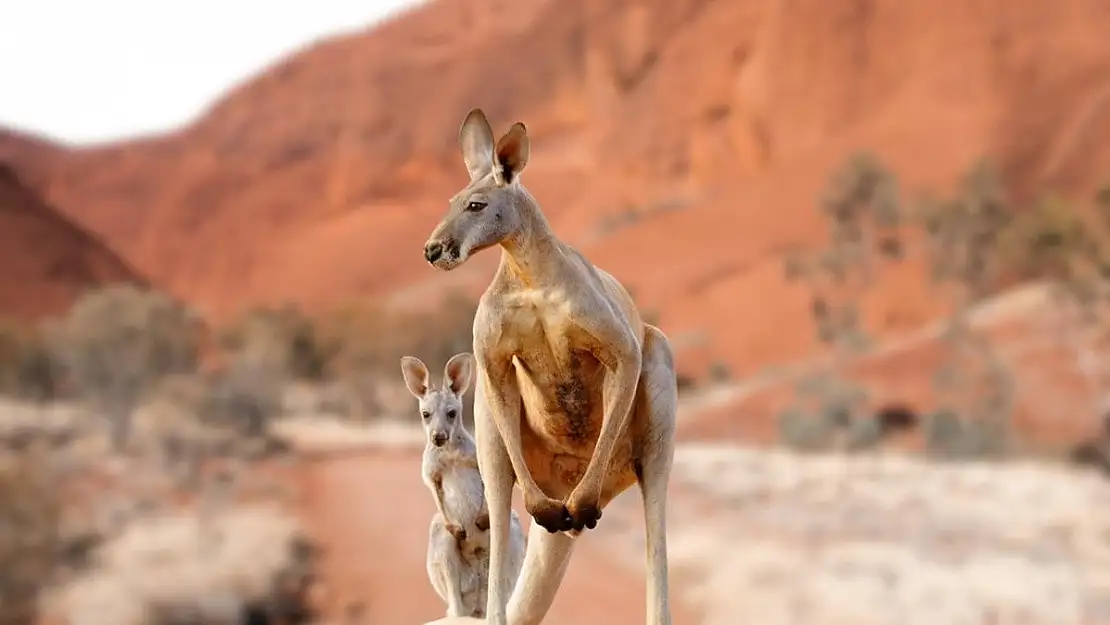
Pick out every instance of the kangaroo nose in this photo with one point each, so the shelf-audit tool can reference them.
(439, 439)
(433, 251)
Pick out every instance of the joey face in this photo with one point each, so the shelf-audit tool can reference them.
(440, 414)
(485, 212)
(440, 408)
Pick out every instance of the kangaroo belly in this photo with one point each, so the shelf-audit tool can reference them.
(560, 426)
(562, 405)
(463, 497)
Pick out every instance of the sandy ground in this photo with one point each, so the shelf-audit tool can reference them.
(785, 539)
(371, 512)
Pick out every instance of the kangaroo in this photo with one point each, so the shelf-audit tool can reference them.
(458, 538)
(576, 396)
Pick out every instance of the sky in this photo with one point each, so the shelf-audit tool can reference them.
(86, 71)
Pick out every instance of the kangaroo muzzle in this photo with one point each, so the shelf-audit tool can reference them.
(442, 253)
(433, 250)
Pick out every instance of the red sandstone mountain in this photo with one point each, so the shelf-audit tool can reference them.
(680, 143)
(46, 260)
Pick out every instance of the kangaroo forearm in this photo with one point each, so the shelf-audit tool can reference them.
(504, 408)
(434, 480)
(619, 392)
(509, 429)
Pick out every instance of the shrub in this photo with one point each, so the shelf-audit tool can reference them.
(805, 432)
(373, 338)
(368, 341)
(118, 341)
(245, 396)
(948, 436)
(284, 335)
(719, 372)
(863, 433)
(26, 368)
(30, 516)
(245, 565)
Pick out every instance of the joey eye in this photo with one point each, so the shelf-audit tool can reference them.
(474, 207)
(451, 414)
(427, 415)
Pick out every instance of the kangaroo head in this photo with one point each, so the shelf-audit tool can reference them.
(440, 408)
(487, 210)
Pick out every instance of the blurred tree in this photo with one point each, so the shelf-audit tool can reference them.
(863, 209)
(118, 341)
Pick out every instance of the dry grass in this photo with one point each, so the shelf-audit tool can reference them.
(773, 537)
(30, 541)
(190, 569)
(55, 423)
(186, 568)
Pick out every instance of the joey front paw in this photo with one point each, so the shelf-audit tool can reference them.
(482, 522)
(457, 532)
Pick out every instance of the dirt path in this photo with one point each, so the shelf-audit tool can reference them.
(371, 512)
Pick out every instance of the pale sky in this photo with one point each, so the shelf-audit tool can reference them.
(96, 70)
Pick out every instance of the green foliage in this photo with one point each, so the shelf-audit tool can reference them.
(829, 414)
(832, 395)
(947, 436)
(964, 232)
(861, 201)
(863, 208)
(972, 245)
(805, 432)
(1054, 240)
(973, 241)
(863, 433)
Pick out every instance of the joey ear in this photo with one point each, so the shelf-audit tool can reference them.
(415, 374)
(512, 152)
(476, 141)
(459, 373)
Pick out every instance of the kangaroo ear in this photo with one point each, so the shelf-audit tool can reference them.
(476, 141)
(512, 152)
(416, 375)
(458, 373)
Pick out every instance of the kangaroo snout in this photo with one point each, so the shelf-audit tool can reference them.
(439, 439)
(442, 253)
(433, 250)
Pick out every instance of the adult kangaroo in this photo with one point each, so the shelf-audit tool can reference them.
(576, 395)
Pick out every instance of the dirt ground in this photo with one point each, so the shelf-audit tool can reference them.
(371, 512)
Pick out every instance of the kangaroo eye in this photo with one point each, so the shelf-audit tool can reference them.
(451, 414)
(474, 207)
(427, 415)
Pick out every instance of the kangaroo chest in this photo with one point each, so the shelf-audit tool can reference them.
(560, 381)
(459, 488)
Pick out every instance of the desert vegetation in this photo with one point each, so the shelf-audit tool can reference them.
(971, 246)
(127, 405)
(131, 436)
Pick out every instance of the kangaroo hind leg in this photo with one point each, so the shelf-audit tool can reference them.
(656, 407)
